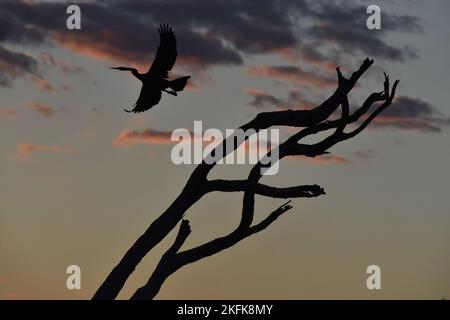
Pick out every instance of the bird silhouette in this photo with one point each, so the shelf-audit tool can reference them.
(156, 79)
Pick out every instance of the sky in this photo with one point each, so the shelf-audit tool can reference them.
(81, 180)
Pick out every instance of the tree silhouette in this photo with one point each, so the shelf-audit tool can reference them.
(312, 121)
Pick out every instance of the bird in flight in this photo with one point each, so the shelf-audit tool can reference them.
(156, 79)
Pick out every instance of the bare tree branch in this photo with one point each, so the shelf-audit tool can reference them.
(305, 191)
(313, 121)
(165, 266)
(305, 118)
(171, 262)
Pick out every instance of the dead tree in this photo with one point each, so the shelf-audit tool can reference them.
(312, 121)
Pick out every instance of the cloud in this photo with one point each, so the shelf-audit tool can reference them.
(345, 27)
(15, 64)
(147, 136)
(25, 151)
(254, 91)
(209, 33)
(264, 100)
(364, 154)
(310, 54)
(11, 295)
(337, 159)
(412, 114)
(8, 113)
(50, 60)
(405, 113)
(42, 83)
(323, 159)
(44, 110)
(294, 75)
(328, 158)
(123, 41)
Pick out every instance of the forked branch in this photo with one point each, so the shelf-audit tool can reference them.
(312, 121)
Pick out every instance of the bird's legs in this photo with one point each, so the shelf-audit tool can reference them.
(170, 92)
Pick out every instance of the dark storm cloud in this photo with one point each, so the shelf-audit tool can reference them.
(412, 114)
(294, 75)
(209, 32)
(359, 40)
(14, 30)
(345, 26)
(14, 64)
(248, 26)
(405, 113)
(264, 100)
(405, 23)
(406, 107)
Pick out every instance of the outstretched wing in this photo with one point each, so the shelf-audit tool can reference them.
(166, 54)
(147, 98)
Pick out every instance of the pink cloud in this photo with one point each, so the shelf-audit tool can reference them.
(28, 148)
(8, 113)
(103, 50)
(293, 74)
(254, 92)
(323, 159)
(11, 295)
(409, 113)
(147, 136)
(424, 124)
(311, 55)
(25, 151)
(64, 67)
(109, 47)
(262, 100)
(42, 109)
(42, 83)
(45, 85)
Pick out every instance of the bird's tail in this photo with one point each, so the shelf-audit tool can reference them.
(178, 84)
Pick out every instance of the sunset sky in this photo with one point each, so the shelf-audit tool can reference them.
(81, 180)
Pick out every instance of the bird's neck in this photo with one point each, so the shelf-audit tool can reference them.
(135, 73)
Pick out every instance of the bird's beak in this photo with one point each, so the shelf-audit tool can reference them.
(116, 68)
